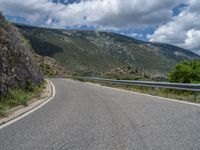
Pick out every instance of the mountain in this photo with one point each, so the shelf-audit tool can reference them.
(92, 52)
(18, 69)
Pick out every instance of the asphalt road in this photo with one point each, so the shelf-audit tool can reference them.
(87, 117)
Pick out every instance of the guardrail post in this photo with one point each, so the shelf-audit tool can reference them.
(195, 96)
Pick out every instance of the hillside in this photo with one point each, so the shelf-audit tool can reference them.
(17, 67)
(49, 66)
(91, 52)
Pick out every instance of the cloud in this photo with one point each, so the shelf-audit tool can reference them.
(192, 40)
(104, 13)
(115, 15)
(183, 30)
(132, 34)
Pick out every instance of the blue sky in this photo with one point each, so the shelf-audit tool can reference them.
(168, 21)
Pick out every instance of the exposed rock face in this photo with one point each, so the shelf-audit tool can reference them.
(50, 67)
(17, 66)
(126, 73)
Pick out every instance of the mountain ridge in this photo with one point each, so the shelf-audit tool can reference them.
(19, 25)
(102, 31)
(92, 52)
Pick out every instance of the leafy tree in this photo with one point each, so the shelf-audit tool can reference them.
(186, 72)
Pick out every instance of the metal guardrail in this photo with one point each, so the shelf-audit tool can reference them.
(167, 85)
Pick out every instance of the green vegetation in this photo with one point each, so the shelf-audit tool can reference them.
(19, 97)
(89, 53)
(186, 72)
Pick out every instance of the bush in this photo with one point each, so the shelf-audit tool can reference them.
(186, 72)
(19, 97)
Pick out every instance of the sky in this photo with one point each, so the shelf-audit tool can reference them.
(175, 22)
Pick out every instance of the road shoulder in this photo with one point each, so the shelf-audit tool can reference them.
(18, 111)
(142, 94)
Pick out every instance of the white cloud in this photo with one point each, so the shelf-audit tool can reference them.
(192, 40)
(105, 13)
(132, 34)
(183, 30)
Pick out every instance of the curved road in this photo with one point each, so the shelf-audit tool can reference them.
(87, 117)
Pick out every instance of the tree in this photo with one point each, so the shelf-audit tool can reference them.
(186, 72)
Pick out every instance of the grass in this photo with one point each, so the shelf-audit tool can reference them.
(166, 93)
(18, 97)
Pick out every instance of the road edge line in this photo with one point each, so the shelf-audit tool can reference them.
(158, 97)
(31, 110)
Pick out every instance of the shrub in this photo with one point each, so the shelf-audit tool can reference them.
(186, 72)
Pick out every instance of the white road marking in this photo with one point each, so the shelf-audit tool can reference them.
(31, 111)
(157, 97)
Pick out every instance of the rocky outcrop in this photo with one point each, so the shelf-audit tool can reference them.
(126, 73)
(50, 67)
(17, 66)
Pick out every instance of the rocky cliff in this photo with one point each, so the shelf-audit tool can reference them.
(17, 66)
